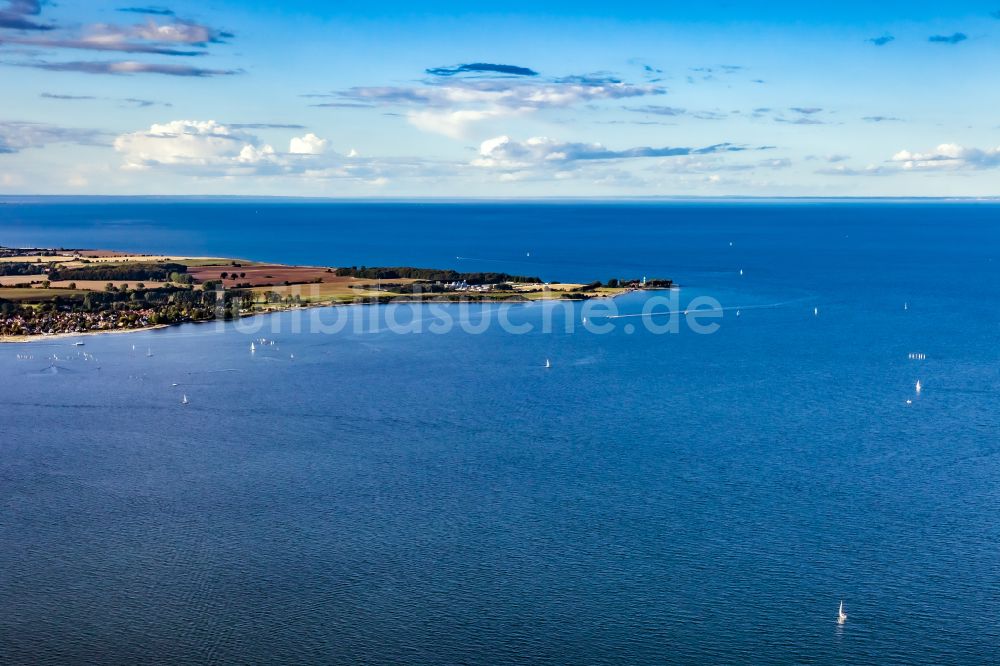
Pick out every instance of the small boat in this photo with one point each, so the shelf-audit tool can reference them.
(253, 348)
(906, 306)
(149, 352)
(77, 344)
(815, 312)
(919, 386)
(548, 363)
(841, 615)
(737, 313)
(184, 399)
(741, 272)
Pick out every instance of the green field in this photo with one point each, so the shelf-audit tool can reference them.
(25, 294)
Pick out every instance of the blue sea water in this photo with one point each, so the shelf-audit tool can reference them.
(366, 496)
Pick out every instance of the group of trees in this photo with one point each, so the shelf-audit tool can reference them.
(415, 288)
(169, 304)
(20, 268)
(135, 271)
(431, 275)
(287, 299)
(655, 283)
(8, 308)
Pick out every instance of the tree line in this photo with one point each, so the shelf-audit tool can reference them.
(20, 268)
(170, 304)
(651, 283)
(136, 271)
(432, 275)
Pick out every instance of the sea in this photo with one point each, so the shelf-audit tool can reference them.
(700, 477)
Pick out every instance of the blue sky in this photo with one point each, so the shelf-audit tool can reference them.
(500, 99)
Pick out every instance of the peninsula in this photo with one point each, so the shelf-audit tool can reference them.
(46, 291)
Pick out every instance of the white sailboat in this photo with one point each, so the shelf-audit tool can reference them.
(184, 399)
(253, 348)
(841, 615)
(815, 312)
(149, 352)
(548, 363)
(919, 386)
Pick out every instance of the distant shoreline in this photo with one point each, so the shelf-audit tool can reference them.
(41, 337)
(20, 199)
(10, 339)
(55, 293)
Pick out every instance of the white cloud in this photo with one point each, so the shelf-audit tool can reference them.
(505, 93)
(454, 124)
(845, 170)
(187, 143)
(175, 32)
(206, 148)
(715, 164)
(310, 144)
(453, 109)
(16, 136)
(545, 159)
(179, 38)
(778, 163)
(949, 156)
(690, 164)
(183, 32)
(250, 154)
(506, 153)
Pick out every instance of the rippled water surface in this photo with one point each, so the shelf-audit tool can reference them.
(360, 495)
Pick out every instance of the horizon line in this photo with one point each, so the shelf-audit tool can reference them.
(25, 198)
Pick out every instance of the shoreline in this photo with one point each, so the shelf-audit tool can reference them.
(49, 293)
(14, 339)
(28, 339)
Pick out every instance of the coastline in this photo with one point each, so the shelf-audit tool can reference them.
(29, 339)
(14, 339)
(52, 294)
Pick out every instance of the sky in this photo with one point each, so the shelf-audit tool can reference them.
(502, 100)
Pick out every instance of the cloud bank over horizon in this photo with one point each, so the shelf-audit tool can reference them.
(597, 107)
